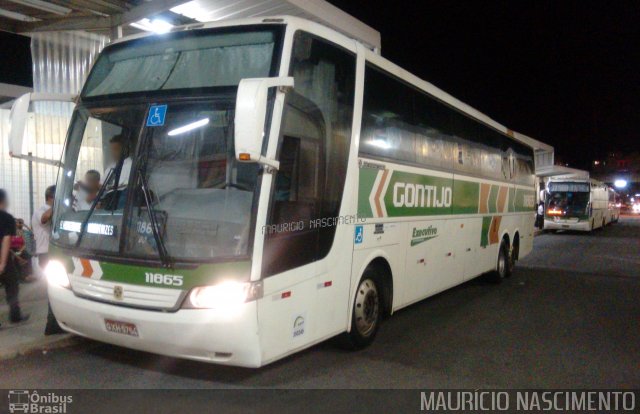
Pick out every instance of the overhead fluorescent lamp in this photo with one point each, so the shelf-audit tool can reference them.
(188, 127)
(156, 25)
(17, 16)
(44, 6)
(193, 11)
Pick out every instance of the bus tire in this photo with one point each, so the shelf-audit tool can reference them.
(504, 265)
(367, 311)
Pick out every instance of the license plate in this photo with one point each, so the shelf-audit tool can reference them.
(124, 328)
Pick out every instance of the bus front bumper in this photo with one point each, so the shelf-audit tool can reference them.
(567, 225)
(208, 335)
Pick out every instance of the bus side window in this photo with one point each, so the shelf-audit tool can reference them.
(295, 192)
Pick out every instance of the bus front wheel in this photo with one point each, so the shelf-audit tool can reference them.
(367, 311)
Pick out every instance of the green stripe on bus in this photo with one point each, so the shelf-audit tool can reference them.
(512, 200)
(409, 194)
(466, 196)
(484, 235)
(493, 197)
(525, 200)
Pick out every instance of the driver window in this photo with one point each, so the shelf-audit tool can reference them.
(315, 137)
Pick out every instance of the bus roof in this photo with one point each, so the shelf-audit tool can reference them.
(318, 11)
(375, 57)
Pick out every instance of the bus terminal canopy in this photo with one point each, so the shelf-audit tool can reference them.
(113, 17)
(561, 171)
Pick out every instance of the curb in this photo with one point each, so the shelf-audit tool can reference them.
(42, 345)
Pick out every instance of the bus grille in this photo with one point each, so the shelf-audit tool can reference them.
(126, 294)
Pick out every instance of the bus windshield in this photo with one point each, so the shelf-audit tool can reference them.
(569, 203)
(184, 60)
(136, 178)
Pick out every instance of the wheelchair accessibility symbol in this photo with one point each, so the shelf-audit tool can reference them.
(359, 234)
(156, 115)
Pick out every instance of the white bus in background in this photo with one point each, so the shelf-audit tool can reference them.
(615, 203)
(269, 184)
(581, 204)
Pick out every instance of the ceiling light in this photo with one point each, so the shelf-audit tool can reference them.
(45, 6)
(193, 11)
(156, 25)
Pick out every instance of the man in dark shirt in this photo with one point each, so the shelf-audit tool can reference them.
(8, 271)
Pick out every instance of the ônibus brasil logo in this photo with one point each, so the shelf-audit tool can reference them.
(32, 402)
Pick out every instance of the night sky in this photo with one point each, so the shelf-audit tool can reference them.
(565, 73)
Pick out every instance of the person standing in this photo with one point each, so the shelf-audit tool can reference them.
(41, 223)
(540, 216)
(540, 210)
(21, 253)
(8, 271)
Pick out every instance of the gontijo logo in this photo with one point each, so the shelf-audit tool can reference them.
(397, 193)
(418, 195)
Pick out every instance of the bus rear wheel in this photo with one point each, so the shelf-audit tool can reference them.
(504, 266)
(367, 312)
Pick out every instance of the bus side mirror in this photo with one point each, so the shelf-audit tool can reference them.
(251, 112)
(19, 117)
(18, 123)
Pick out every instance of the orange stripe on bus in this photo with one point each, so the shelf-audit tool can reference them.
(379, 191)
(494, 230)
(87, 270)
(484, 198)
(502, 198)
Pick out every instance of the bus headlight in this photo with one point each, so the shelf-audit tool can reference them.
(57, 274)
(225, 295)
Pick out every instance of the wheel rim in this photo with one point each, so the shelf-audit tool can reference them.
(367, 307)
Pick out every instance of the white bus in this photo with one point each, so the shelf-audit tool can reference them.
(615, 202)
(268, 184)
(579, 204)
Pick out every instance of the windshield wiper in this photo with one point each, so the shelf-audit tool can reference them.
(162, 248)
(94, 204)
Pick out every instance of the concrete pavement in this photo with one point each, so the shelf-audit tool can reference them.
(27, 337)
(568, 318)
